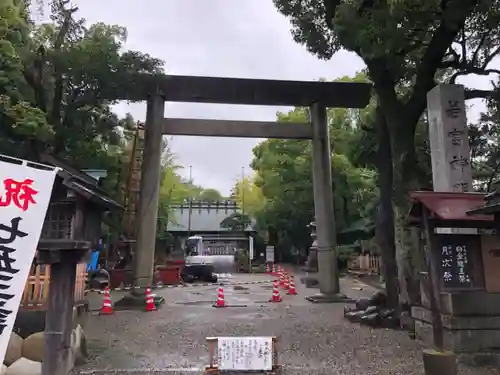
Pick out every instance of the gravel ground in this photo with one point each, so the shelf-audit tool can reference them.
(313, 338)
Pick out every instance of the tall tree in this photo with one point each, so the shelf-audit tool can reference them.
(23, 124)
(52, 81)
(407, 46)
(248, 195)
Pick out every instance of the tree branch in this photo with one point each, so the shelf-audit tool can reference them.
(495, 52)
(473, 70)
(475, 55)
(444, 36)
(330, 11)
(480, 94)
(463, 45)
(55, 115)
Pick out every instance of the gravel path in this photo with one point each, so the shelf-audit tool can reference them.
(314, 339)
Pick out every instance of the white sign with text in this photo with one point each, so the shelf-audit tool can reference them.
(245, 353)
(24, 198)
(270, 254)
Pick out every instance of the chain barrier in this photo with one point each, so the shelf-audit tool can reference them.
(183, 285)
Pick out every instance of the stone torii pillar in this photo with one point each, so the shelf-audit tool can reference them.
(147, 210)
(323, 207)
(150, 188)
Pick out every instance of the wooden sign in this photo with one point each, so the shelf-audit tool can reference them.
(459, 260)
(242, 354)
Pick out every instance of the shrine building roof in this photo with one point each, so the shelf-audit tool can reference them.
(203, 217)
(491, 205)
(448, 206)
(81, 183)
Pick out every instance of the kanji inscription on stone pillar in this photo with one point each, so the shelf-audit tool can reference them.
(449, 141)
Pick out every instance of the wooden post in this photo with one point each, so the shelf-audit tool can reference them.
(59, 319)
(433, 284)
(63, 257)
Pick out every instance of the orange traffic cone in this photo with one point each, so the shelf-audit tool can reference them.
(220, 298)
(276, 293)
(267, 268)
(281, 279)
(291, 290)
(286, 284)
(150, 303)
(107, 306)
(274, 270)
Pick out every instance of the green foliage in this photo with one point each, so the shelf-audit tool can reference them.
(50, 79)
(174, 190)
(25, 120)
(346, 253)
(210, 195)
(284, 175)
(408, 46)
(21, 121)
(236, 222)
(248, 195)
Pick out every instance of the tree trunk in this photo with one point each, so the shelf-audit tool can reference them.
(399, 123)
(385, 215)
(408, 256)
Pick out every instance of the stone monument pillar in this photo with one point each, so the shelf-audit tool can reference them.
(451, 172)
(448, 137)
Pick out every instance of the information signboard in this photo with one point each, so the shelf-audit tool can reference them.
(270, 254)
(245, 353)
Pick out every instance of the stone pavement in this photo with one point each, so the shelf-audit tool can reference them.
(314, 338)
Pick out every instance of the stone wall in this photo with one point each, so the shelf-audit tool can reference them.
(25, 351)
(471, 321)
(25, 356)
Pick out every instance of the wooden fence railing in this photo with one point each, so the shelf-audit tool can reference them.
(367, 264)
(36, 289)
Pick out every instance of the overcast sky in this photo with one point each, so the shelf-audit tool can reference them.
(227, 38)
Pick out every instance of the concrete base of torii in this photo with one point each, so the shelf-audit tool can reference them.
(329, 298)
(136, 302)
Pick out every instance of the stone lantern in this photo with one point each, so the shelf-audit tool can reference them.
(312, 259)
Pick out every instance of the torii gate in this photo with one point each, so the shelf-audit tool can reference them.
(318, 96)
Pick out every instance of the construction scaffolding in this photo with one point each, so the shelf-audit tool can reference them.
(133, 184)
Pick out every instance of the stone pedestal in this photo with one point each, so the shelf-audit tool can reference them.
(439, 363)
(312, 259)
(471, 321)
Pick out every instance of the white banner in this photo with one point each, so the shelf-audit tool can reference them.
(24, 198)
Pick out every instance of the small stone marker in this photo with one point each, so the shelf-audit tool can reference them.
(242, 354)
